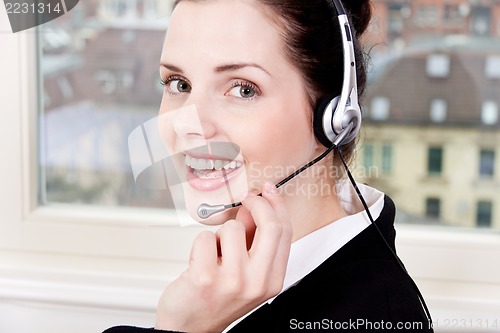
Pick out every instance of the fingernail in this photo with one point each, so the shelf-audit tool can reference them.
(270, 188)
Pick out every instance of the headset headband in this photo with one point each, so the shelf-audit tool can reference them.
(344, 109)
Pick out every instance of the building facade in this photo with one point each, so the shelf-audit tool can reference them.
(432, 127)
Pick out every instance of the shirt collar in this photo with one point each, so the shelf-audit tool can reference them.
(310, 251)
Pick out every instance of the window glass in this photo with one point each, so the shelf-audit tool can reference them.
(486, 163)
(433, 208)
(99, 66)
(438, 65)
(440, 71)
(484, 213)
(380, 108)
(435, 161)
(430, 108)
(368, 156)
(386, 158)
(438, 110)
(489, 113)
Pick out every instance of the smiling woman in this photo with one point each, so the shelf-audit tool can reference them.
(249, 96)
(77, 251)
(263, 76)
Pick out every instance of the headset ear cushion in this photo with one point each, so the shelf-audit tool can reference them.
(319, 111)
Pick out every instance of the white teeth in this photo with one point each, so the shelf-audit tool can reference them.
(203, 164)
(209, 164)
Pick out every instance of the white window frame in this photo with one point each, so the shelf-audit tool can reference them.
(455, 268)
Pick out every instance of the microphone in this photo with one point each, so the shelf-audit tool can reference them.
(205, 210)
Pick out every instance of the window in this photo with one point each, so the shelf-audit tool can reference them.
(427, 15)
(438, 110)
(492, 66)
(386, 158)
(489, 113)
(452, 14)
(433, 208)
(121, 8)
(368, 156)
(150, 8)
(481, 20)
(49, 242)
(107, 81)
(438, 65)
(486, 163)
(484, 213)
(101, 87)
(380, 108)
(435, 161)
(396, 19)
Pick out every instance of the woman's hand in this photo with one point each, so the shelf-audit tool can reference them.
(233, 271)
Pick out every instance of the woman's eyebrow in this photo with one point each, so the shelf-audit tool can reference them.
(171, 68)
(233, 67)
(218, 69)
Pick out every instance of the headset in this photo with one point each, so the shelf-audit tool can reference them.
(336, 122)
(334, 116)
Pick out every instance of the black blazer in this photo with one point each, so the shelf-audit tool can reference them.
(360, 288)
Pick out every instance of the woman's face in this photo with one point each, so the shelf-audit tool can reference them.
(222, 62)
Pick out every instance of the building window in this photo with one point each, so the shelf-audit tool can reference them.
(380, 108)
(387, 158)
(433, 208)
(150, 8)
(125, 80)
(486, 163)
(481, 20)
(489, 113)
(435, 161)
(395, 20)
(438, 65)
(484, 213)
(452, 14)
(107, 81)
(90, 112)
(438, 110)
(428, 15)
(368, 156)
(492, 67)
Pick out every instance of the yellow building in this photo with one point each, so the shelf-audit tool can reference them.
(434, 174)
(432, 132)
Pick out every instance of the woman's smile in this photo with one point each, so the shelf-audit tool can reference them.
(210, 173)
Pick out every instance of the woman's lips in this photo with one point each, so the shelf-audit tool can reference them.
(208, 174)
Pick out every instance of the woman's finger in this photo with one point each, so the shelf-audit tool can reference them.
(283, 251)
(246, 218)
(268, 232)
(232, 239)
(203, 259)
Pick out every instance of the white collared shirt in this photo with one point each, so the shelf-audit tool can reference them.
(310, 251)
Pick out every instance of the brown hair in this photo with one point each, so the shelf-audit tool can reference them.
(312, 42)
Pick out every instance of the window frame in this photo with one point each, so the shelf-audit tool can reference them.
(433, 207)
(432, 161)
(487, 165)
(147, 245)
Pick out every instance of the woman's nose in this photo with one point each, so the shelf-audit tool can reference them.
(191, 122)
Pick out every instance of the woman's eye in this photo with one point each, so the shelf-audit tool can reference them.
(177, 86)
(243, 91)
